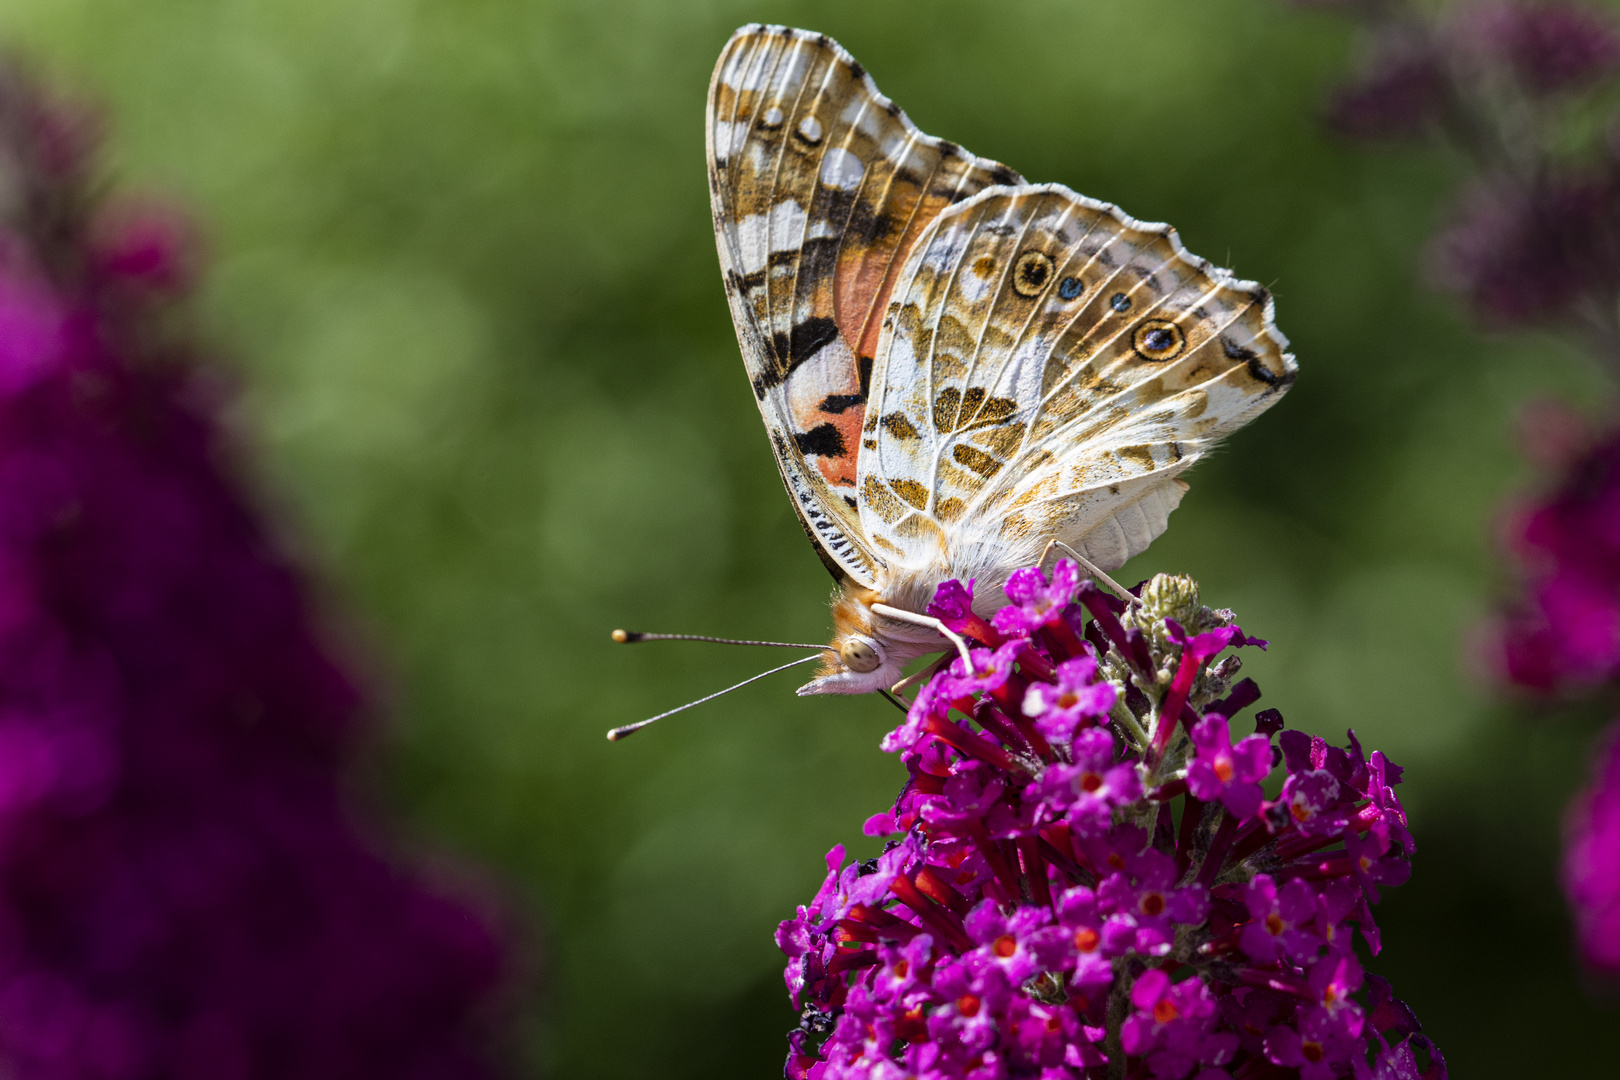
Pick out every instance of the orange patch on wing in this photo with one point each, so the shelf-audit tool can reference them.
(866, 275)
(840, 471)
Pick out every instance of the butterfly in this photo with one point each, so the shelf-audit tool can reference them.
(955, 367)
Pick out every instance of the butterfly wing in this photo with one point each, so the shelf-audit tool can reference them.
(1049, 367)
(820, 186)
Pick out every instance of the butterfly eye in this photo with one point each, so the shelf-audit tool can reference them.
(1157, 339)
(1031, 273)
(859, 654)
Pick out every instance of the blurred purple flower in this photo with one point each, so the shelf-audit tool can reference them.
(185, 890)
(1592, 860)
(1521, 254)
(1548, 46)
(1535, 239)
(144, 243)
(1565, 632)
(1400, 91)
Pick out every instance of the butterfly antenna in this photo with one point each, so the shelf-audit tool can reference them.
(630, 637)
(630, 729)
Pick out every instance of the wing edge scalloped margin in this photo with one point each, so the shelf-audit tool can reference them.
(1013, 177)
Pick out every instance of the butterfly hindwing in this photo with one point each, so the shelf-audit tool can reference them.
(820, 187)
(1049, 366)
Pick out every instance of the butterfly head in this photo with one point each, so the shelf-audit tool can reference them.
(865, 656)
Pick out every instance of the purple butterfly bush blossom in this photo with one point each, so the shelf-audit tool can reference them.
(1085, 878)
(1525, 90)
(185, 887)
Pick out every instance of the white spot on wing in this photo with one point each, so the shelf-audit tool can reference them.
(974, 286)
(810, 128)
(729, 138)
(830, 371)
(748, 69)
(793, 68)
(760, 234)
(901, 149)
(841, 169)
(787, 226)
(859, 114)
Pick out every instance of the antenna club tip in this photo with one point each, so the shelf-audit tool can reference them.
(621, 636)
(614, 735)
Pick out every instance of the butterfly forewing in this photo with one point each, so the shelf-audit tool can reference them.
(820, 187)
(1048, 367)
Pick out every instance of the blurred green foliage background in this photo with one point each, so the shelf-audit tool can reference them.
(461, 255)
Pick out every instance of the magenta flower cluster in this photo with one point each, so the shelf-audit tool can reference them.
(1087, 877)
(186, 890)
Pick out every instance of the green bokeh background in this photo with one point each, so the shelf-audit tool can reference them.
(461, 257)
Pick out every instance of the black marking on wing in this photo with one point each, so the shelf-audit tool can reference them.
(866, 222)
(816, 256)
(824, 440)
(833, 404)
(790, 350)
(1234, 351)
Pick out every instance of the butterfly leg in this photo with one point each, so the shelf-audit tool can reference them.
(920, 676)
(1089, 567)
(932, 624)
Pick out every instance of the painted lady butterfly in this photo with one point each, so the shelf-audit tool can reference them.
(956, 367)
